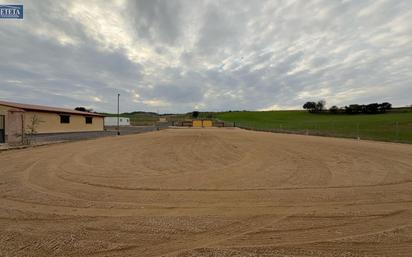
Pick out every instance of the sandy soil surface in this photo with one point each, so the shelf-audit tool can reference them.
(207, 192)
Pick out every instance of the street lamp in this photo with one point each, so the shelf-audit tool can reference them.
(118, 113)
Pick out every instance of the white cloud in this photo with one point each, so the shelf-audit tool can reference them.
(156, 103)
(97, 99)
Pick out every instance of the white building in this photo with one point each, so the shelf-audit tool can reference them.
(112, 121)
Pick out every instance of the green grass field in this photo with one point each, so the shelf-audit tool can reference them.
(138, 119)
(391, 126)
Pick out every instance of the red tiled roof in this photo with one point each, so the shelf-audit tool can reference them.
(41, 108)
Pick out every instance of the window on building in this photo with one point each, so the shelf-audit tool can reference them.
(89, 120)
(64, 118)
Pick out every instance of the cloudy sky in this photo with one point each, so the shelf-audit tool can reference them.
(177, 56)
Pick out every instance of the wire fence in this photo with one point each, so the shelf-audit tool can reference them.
(392, 131)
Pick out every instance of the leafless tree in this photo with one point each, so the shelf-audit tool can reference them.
(31, 128)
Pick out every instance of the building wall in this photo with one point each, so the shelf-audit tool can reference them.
(4, 112)
(17, 121)
(112, 121)
(50, 123)
(13, 124)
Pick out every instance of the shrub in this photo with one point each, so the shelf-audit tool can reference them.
(195, 114)
(334, 109)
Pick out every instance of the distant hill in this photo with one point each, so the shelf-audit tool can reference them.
(138, 118)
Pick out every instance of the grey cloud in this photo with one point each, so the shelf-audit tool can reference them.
(216, 55)
(156, 19)
(50, 73)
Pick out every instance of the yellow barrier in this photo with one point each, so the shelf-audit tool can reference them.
(197, 123)
(202, 123)
(207, 123)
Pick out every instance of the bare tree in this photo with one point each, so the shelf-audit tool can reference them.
(31, 128)
(320, 105)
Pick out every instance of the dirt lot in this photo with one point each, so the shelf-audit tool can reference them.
(207, 192)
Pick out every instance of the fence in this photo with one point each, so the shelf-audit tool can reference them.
(73, 136)
(393, 131)
(201, 123)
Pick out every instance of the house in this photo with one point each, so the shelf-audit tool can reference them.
(17, 120)
(112, 121)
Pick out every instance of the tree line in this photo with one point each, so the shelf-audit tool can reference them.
(373, 108)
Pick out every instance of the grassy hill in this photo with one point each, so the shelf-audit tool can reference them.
(138, 118)
(391, 126)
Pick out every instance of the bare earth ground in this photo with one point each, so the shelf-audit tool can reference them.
(207, 192)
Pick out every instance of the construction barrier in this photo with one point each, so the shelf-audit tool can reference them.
(197, 124)
(202, 123)
(207, 123)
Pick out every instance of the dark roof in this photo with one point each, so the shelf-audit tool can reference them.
(32, 107)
